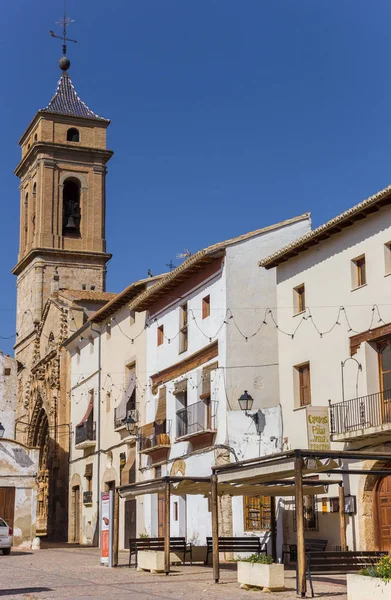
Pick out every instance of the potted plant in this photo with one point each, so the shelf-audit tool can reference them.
(371, 582)
(259, 570)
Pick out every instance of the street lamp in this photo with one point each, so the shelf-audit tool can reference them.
(246, 403)
(130, 422)
(2, 430)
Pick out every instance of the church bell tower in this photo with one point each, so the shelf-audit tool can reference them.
(62, 202)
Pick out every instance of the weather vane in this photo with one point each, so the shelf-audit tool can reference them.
(65, 21)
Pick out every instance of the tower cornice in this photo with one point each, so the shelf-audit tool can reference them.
(47, 146)
(58, 253)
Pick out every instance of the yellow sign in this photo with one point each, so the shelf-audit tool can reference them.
(318, 429)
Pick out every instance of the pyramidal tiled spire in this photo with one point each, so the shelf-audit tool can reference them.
(66, 102)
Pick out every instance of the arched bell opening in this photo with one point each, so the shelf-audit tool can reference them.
(71, 214)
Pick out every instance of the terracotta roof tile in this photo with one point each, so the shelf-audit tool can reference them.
(91, 295)
(190, 265)
(345, 219)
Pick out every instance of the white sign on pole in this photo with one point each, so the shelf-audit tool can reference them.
(106, 528)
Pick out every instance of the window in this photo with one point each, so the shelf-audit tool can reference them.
(304, 384)
(299, 299)
(160, 335)
(35, 137)
(359, 272)
(83, 286)
(183, 328)
(71, 208)
(384, 350)
(257, 513)
(92, 288)
(311, 522)
(7, 371)
(73, 135)
(387, 257)
(205, 307)
(35, 189)
(175, 511)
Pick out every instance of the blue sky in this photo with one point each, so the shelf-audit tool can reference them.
(227, 115)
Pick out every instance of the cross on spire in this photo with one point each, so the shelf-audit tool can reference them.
(64, 22)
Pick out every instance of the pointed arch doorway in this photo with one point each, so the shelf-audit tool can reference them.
(383, 512)
(41, 439)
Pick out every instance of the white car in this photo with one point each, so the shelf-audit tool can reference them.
(6, 537)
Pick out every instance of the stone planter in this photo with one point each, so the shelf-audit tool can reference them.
(268, 577)
(361, 587)
(153, 560)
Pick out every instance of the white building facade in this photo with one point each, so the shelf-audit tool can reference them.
(108, 376)
(206, 344)
(334, 322)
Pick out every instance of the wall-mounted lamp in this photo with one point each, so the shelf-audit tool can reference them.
(2, 430)
(246, 403)
(130, 423)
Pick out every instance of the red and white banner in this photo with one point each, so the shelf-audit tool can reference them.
(105, 528)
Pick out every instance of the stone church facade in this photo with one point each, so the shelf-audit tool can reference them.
(61, 278)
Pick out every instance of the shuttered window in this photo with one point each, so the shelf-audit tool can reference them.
(257, 513)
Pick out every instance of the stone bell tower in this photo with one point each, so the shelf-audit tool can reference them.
(62, 203)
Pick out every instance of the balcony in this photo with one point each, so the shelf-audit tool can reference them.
(87, 498)
(197, 419)
(132, 415)
(85, 435)
(361, 417)
(159, 440)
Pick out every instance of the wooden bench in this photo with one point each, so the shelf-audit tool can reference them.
(177, 544)
(236, 544)
(339, 562)
(310, 545)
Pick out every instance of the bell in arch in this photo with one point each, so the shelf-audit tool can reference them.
(71, 224)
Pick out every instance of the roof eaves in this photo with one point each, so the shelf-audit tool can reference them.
(345, 219)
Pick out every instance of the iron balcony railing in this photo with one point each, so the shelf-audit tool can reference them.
(360, 413)
(85, 432)
(160, 437)
(196, 418)
(87, 497)
(132, 414)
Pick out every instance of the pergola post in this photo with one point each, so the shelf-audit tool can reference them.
(299, 505)
(342, 516)
(167, 494)
(273, 527)
(215, 528)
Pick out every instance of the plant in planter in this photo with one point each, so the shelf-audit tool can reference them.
(259, 570)
(370, 581)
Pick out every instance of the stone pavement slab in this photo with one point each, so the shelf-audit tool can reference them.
(66, 573)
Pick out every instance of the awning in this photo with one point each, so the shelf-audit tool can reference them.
(126, 471)
(206, 387)
(187, 486)
(88, 470)
(89, 411)
(180, 387)
(148, 429)
(161, 405)
(120, 412)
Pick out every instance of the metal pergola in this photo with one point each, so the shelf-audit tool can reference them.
(293, 473)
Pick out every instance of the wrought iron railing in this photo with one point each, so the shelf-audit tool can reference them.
(160, 437)
(360, 413)
(85, 432)
(120, 422)
(87, 497)
(196, 418)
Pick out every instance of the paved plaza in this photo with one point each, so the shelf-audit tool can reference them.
(74, 572)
